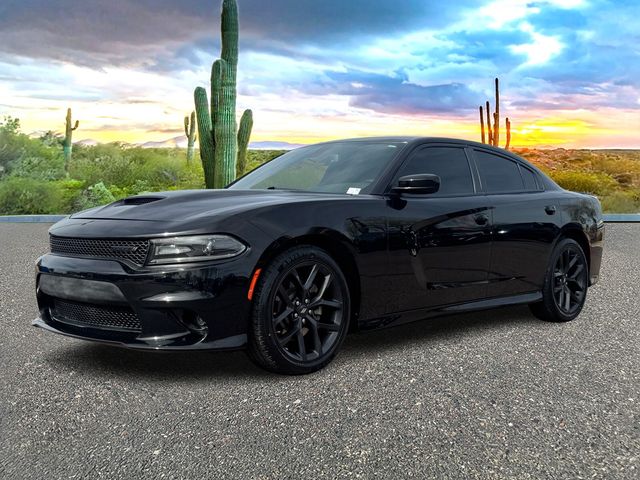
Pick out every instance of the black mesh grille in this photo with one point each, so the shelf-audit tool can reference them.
(133, 250)
(83, 315)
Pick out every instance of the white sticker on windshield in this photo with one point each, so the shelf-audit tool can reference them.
(353, 191)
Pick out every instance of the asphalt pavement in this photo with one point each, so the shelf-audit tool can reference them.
(497, 394)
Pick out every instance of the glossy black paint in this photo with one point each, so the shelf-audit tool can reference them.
(405, 256)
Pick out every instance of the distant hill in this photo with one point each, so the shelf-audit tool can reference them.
(87, 142)
(175, 142)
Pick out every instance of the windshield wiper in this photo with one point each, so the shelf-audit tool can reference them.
(285, 188)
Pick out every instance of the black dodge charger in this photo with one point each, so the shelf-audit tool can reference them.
(344, 235)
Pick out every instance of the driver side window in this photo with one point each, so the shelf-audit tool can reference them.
(449, 163)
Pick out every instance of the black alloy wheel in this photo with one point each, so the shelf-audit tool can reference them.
(566, 282)
(301, 312)
(569, 280)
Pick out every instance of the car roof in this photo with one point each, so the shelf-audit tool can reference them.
(418, 139)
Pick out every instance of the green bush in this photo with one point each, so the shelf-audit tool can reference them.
(586, 182)
(25, 196)
(621, 202)
(94, 196)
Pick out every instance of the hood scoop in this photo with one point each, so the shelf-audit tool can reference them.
(141, 200)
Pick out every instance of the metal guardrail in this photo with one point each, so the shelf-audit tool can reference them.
(622, 217)
(609, 217)
(31, 218)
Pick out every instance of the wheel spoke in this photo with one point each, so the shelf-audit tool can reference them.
(331, 327)
(323, 288)
(312, 276)
(296, 277)
(315, 335)
(579, 269)
(567, 300)
(578, 282)
(302, 350)
(287, 338)
(286, 297)
(328, 303)
(287, 311)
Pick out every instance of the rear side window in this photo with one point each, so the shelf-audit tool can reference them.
(449, 163)
(529, 179)
(498, 174)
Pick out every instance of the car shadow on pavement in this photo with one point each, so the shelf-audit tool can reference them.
(438, 329)
(107, 361)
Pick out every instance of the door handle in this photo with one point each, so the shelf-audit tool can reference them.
(550, 209)
(481, 219)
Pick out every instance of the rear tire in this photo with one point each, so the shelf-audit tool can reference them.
(300, 313)
(565, 284)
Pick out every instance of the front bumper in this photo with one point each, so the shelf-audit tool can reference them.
(162, 308)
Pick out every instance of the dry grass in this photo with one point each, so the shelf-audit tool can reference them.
(612, 175)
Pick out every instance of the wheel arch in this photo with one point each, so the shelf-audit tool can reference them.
(575, 232)
(337, 246)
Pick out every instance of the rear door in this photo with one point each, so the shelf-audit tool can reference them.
(440, 243)
(526, 220)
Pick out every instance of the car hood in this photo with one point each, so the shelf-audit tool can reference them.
(187, 205)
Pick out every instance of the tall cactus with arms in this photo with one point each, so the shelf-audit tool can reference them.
(68, 134)
(217, 130)
(493, 131)
(190, 132)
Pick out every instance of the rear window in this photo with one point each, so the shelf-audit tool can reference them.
(529, 179)
(498, 174)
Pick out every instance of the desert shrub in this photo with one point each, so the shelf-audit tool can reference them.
(625, 171)
(255, 158)
(44, 165)
(70, 192)
(27, 157)
(24, 196)
(94, 196)
(586, 182)
(621, 202)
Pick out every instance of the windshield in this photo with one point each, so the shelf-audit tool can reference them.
(337, 167)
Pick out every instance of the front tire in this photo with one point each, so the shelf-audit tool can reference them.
(300, 314)
(565, 286)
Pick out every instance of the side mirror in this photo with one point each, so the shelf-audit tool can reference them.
(422, 183)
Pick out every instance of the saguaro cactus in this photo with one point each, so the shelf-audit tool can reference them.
(217, 120)
(68, 142)
(190, 132)
(482, 125)
(244, 132)
(493, 123)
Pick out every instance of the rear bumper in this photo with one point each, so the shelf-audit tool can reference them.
(177, 308)
(595, 252)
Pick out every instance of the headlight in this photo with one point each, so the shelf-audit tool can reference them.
(193, 249)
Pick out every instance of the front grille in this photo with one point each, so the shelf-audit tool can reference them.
(122, 319)
(133, 250)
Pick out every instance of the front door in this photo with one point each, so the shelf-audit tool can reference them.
(440, 243)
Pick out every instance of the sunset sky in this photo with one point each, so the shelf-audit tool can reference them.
(314, 70)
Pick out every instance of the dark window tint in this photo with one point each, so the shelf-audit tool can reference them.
(498, 174)
(449, 163)
(529, 178)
